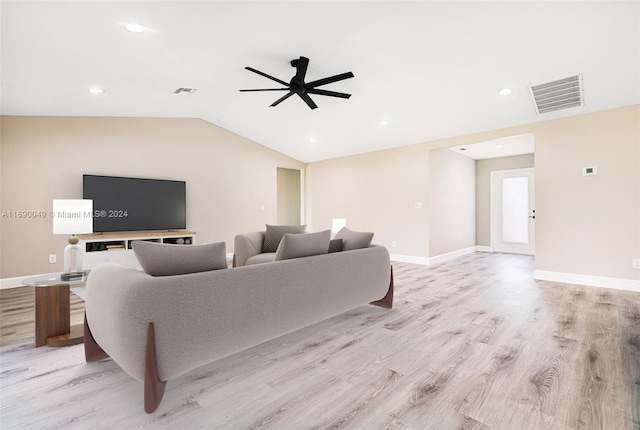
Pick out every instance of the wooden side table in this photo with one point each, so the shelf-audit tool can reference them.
(52, 314)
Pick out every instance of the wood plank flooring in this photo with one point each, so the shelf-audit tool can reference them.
(473, 343)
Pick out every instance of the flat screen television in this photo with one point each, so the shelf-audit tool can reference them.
(132, 204)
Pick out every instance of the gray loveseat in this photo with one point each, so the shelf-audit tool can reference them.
(159, 327)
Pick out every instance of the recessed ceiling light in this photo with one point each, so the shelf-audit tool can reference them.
(312, 140)
(499, 146)
(383, 123)
(135, 28)
(505, 91)
(96, 90)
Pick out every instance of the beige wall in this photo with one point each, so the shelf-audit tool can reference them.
(483, 190)
(452, 208)
(289, 196)
(589, 224)
(228, 177)
(584, 225)
(375, 192)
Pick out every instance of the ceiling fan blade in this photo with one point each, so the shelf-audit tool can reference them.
(307, 100)
(328, 93)
(329, 80)
(266, 89)
(281, 99)
(301, 68)
(267, 76)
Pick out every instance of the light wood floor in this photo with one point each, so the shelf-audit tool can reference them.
(472, 343)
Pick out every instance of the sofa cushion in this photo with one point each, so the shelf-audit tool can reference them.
(303, 245)
(354, 239)
(335, 245)
(274, 235)
(161, 259)
(265, 257)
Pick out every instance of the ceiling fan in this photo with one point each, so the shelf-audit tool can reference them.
(298, 86)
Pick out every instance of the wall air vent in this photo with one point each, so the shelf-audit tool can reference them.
(185, 90)
(561, 94)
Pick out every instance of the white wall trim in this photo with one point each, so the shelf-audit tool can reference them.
(427, 261)
(452, 255)
(7, 283)
(481, 248)
(589, 280)
(409, 259)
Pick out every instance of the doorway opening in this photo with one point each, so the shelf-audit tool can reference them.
(289, 211)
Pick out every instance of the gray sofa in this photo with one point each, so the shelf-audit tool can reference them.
(159, 327)
(249, 248)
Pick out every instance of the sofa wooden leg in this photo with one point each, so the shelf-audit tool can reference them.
(233, 263)
(92, 351)
(153, 386)
(386, 301)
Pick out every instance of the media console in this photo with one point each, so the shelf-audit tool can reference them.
(116, 247)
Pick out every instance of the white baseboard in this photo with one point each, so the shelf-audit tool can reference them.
(424, 261)
(452, 255)
(589, 280)
(481, 248)
(427, 261)
(7, 283)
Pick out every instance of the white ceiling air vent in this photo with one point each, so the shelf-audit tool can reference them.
(185, 90)
(561, 94)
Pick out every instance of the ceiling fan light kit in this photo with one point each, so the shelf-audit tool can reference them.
(298, 86)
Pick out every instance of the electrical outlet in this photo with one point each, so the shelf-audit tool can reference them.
(393, 243)
(418, 205)
(52, 258)
(635, 263)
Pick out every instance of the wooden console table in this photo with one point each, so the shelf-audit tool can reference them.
(52, 314)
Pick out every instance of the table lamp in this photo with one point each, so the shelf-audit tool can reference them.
(73, 217)
(337, 224)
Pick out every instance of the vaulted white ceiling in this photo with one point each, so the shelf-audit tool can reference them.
(431, 69)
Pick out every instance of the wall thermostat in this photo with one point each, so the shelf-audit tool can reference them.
(589, 171)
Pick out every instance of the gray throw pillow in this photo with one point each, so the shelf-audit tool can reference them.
(335, 245)
(163, 259)
(274, 234)
(354, 239)
(303, 245)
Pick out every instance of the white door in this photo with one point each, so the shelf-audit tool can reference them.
(513, 211)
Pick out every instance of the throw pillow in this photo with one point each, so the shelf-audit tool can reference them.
(335, 245)
(354, 239)
(274, 234)
(303, 245)
(162, 259)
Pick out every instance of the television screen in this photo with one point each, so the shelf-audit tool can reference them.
(132, 204)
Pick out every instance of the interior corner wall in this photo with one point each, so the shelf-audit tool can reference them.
(483, 190)
(228, 177)
(452, 220)
(584, 225)
(374, 192)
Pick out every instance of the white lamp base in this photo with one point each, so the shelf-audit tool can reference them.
(73, 258)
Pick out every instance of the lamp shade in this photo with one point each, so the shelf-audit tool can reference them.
(72, 216)
(337, 224)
